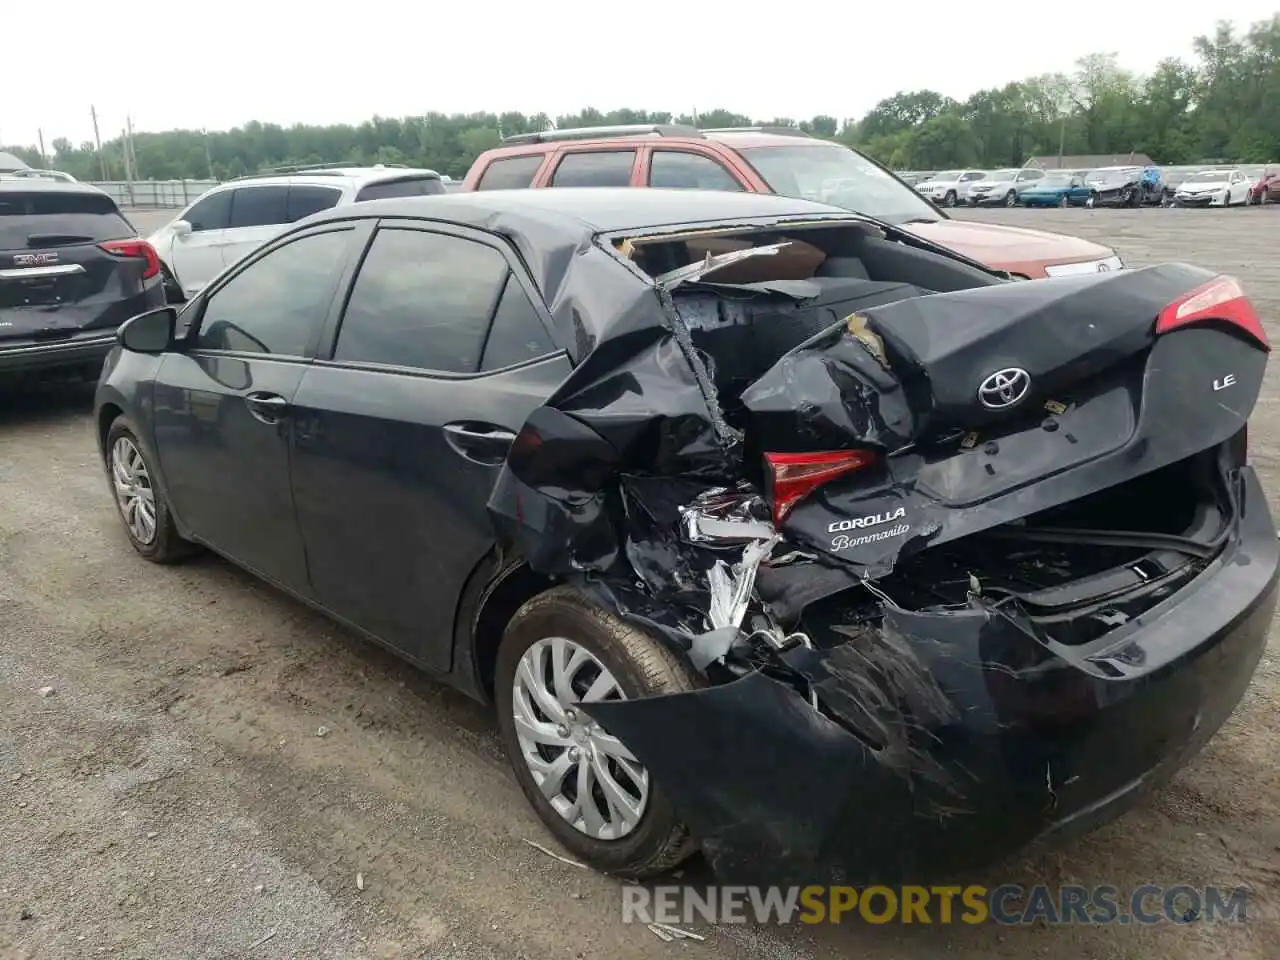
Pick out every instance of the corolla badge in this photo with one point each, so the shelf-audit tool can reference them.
(1004, 388)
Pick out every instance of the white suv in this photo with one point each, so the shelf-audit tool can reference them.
(949, 187)
(238, 216)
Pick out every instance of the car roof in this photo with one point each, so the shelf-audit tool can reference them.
(733, 139)
(43, 185)
(332, 176)
(596, 209)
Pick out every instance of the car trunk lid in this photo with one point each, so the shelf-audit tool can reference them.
(920, 422)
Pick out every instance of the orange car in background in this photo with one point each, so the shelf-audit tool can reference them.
(1267, 187)
(779, 160)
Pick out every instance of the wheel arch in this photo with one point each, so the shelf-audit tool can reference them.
(108, 413)
(498, 586)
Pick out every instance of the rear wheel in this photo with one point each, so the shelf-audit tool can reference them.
(142, 506)
(1011, 199)
(1092, 200)
(560, 650)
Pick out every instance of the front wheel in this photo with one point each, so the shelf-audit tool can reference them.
(1062, 200)
(950, 199)
(1092, 200)
(560, 650)
(140, 503)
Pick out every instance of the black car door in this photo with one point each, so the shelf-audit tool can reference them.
(222, 400)
(441, 354)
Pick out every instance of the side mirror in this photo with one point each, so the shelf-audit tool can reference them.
(181, 228)
(150, 332)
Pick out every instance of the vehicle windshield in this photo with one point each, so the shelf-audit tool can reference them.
(1056, 180)
(833, 174)
(1000, 175)
(947, 175)
(1206, 176)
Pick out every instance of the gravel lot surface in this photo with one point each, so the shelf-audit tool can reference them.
(172, 798)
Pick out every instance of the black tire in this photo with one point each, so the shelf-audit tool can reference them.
(1092, 200)
(643, 666)
(167, 546)
(1062, 201)
(172, 289)
(1011, 199)
(950, 199)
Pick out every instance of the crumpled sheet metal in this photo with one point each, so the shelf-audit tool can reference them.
(778, 791)
(830, 392)
(638, 402)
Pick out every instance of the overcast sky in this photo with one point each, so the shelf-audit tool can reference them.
(219, 64)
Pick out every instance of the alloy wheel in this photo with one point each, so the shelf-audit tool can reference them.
(135, 495)
(587, 775)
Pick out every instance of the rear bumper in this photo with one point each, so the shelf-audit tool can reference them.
(992, 739)
(28, 356)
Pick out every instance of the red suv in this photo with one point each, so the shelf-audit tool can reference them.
(770, 160)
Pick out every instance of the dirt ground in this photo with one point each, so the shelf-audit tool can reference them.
(172, 798)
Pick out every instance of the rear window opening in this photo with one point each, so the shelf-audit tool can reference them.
(45, 219)
(1077, 590)
(743, 315)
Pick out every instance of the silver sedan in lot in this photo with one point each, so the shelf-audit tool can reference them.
(1002, 187)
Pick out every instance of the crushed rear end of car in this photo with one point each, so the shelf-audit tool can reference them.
(964, 563)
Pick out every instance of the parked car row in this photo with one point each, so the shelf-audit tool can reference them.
(1117, 186)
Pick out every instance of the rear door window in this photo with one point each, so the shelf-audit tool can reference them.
(517, 334)
(422, 300)
(37, 218)
(211, 212)
(305, 200)
(259, 206)
(689, 171)
(405, 187)
(510, 173)
(601, 168)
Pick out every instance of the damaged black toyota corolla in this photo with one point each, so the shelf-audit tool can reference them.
(771, 530)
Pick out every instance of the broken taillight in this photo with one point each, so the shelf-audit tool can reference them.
(790, 477)
(1220, 299)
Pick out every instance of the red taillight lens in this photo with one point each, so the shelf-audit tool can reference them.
(135, 248)
(1219, 299)
(793, 476)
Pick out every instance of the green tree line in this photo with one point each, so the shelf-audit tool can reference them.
(1223, 105)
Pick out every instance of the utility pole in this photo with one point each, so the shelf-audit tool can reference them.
(128, 166)
(208, 157)
(44, 157)
(97, 142)
(133, 157)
